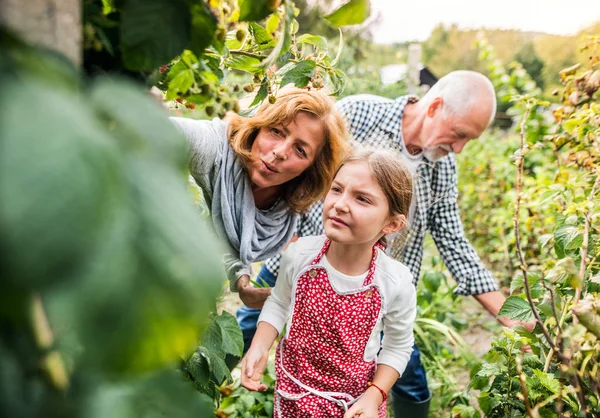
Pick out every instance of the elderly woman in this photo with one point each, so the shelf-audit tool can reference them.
(258, 174)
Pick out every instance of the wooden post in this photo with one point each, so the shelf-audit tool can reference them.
(55, 24)
(414, 68)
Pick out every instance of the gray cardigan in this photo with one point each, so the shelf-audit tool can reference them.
(205, 139)
(252, 234)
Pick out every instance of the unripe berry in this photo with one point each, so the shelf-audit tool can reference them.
(240, 35)
(272, 5)
(209, 110)
(249, 87)
(272, 99)
(221, 34)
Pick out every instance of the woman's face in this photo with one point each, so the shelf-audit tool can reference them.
(281, 153)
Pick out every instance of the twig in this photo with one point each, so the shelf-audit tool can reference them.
(585, 243)
(531, 413)
(523, 265)
(248, 54)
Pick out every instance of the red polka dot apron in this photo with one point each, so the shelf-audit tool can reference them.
(320, 364)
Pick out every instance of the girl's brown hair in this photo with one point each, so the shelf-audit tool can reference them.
(313, 183)
(392, 175)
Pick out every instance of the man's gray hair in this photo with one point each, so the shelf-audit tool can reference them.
(462, 91)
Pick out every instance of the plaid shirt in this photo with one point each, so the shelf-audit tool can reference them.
(377, 122)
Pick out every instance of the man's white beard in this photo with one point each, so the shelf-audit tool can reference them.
(436, 153)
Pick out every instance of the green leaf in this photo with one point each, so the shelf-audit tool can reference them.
(272, 23)
(516, 308)
(285, 39)
(432, 280)
(204, 26)
(218, 368)
(544, 240)
(161, 394)
(319, 41)
(254, 9)
(244, 63)
(518, 282)
(352, 13)
(261, 35)
(153, 33)
(464, 411)
(491, 369)
(567, 237)
(299, 74)
(212, 338)
(48, 230)
(231, 334)
(337, 78)
(197, 366)
(548, 381)
(260, 95)
(180, 84)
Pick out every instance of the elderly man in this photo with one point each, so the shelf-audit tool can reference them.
(428, 132)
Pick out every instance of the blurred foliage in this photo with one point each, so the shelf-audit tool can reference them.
(444, 353)
(449, 48)
(189, 48)
(555, 201)
(108, 279)
(239, 402)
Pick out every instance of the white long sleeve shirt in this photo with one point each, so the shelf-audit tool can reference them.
(398, 300)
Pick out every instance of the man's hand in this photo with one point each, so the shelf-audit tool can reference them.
(367, 405)
(253, 297)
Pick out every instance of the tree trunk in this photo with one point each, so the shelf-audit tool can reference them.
(54, 24)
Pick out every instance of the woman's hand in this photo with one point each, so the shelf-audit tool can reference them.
(253, 297)
(367, 405)
(253, 365)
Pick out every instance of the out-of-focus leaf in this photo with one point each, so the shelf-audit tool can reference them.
(255, 9)
(161, 394)
(432, 280)
(353, 12)
(153, 33)
(319, 41)
(54, 205)
(261, 36)
(244, 63)
(285, 40)
(203, 27)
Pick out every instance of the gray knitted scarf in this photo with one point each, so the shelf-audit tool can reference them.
(254, 233)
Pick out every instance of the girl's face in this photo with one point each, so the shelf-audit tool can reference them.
(281, 153)
(356, 210)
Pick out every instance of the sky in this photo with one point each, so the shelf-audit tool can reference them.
(402, 20)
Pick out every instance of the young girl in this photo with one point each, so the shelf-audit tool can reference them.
(336, 293)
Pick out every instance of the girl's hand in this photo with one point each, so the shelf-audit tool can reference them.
(253, 365)
(253, 297)
(367, 405)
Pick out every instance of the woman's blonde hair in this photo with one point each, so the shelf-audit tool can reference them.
(313, 183)
(392, 175)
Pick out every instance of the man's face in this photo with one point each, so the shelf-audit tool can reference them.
(440, 135)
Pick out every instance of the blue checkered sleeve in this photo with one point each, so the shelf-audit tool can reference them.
(445, 226)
